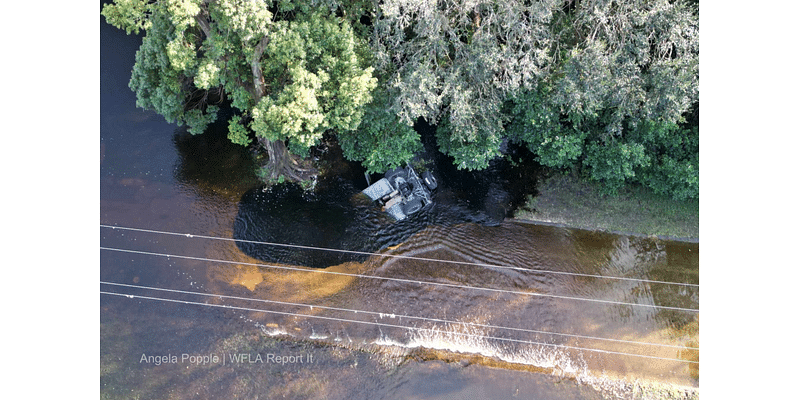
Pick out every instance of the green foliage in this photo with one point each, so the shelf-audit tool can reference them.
(468, 154)
(660, 155)
(455, 63)
(537, 122)
(382, 142)
(208, 75)
(676, 178)
(237, 133)
(181, 53)
(182, 12)
(326, 86)
(198, 120)
(632, 61)
(624, 76)
(614, 162)
(674, 169)
(158, 86)
(600, 86)
(295, 113)
(292, 77)
(130, 15)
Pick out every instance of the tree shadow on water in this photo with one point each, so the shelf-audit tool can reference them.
(334, 223)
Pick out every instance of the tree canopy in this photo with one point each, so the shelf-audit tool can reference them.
(605, 87)
(292, 75)
(625, 77)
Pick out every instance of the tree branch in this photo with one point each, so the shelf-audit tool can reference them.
(202, 20)
(255, 65)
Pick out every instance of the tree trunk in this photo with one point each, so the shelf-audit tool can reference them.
(283, 163)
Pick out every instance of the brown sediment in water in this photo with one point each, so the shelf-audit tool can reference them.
(690, 333)
(295, 285)
(248, 276)
(291, 283)
(461, 243)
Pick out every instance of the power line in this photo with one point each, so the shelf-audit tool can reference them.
(392, 315)
(132, 296)
(451, 285)
(399, 256)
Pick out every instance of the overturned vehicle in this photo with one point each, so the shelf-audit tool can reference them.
(402, 192)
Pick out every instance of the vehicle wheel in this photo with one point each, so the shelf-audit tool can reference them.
(429, 180)
(412, 206)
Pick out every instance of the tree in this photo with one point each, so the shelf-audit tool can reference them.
(600, 86)
(290, 71)
(455, 63)
(624, 76)
(382, 142)
(634, 60)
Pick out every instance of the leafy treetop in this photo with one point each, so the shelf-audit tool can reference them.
(603, 87)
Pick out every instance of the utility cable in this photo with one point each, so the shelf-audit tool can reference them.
(393, 315)
(399, 256)
(451, 285)
(131, 296)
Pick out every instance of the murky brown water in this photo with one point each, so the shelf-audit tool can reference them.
(514, 325)
(456, 310)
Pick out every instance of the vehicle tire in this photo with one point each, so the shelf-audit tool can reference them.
(412, 206)
(429, 180)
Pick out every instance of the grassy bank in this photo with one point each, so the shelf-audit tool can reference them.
(564, 199)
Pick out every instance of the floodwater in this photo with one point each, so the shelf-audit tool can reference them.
(215, 287)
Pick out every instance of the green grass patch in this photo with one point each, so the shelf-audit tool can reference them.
(568, 200)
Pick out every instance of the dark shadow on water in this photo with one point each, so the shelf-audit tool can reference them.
(212, 165)
(490, 195)
(335, 215)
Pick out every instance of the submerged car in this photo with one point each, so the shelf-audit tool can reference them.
(402, 192)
